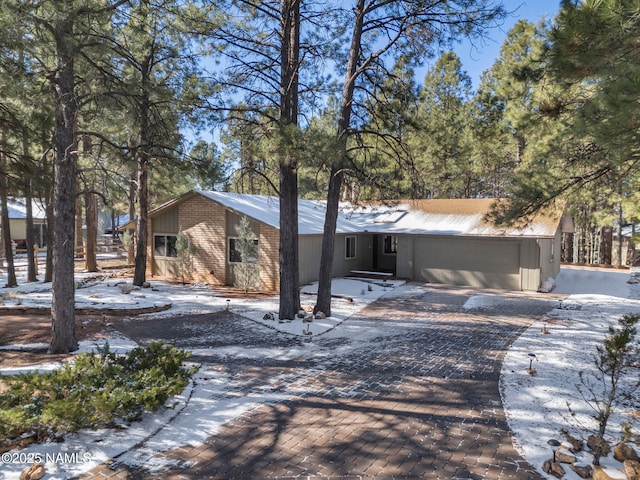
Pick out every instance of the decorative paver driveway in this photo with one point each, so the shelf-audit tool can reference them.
(406, 389)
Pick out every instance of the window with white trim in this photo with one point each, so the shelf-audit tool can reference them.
(165, 245)
(390, 244)
(350, 247)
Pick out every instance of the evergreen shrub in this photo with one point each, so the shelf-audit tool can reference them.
(92, 391)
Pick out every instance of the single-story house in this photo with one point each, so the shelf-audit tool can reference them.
(439, 241)
(17, 209)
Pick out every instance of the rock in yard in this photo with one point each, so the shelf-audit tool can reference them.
(576, 444)
(583, 470)
(320, 315)
(34, 472)
(564, 456)
(607, 473)
(625, 451)
(632, 469)
(553, 468)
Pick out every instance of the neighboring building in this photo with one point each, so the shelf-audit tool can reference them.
(18, 222)
(440, 241)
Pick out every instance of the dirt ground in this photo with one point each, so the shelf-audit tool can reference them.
(30, 329)
(24, 329)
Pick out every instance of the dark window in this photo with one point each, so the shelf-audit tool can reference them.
(390, 244)
(165, 246)
(350, 247)
(234, 254)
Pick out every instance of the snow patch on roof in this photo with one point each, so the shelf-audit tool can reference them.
(18, 209)
(266, 209)
(466, 218)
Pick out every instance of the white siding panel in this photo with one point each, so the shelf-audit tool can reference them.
(309, 247)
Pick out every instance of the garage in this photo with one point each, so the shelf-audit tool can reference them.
(474, 262)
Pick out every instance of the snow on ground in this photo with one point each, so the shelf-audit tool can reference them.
(595, 281)
(535, 405)
(539, 406)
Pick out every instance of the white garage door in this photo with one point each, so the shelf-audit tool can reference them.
(468, 261)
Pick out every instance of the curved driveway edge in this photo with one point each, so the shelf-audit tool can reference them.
(408, 388)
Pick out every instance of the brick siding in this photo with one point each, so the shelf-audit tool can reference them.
(269, 258)
(203, 223)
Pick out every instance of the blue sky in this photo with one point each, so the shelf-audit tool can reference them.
(480, 56)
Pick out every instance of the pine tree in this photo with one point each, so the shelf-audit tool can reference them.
(505, 124)
(441, 141)
(59, 33)
(378, 28)
(272, 61)
(385, 165)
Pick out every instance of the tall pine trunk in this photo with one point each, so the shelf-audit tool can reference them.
(5, 223)
(144, 159)
(328, 242)
(63, 317)
(337, 169)
(91, 220)
(79, 250)
(289, 249)
(142, 234)
(32, 261)
(620, 260)
(7, 242)
(48, 271)
(606, 245)
(132, 214)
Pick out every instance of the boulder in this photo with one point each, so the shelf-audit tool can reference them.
(632, 469)
(625, 451)
(575, 444)
(34, 472)
(565, 456)
(584, 470)
(607, 473)
(553, 468)
(320, 315)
